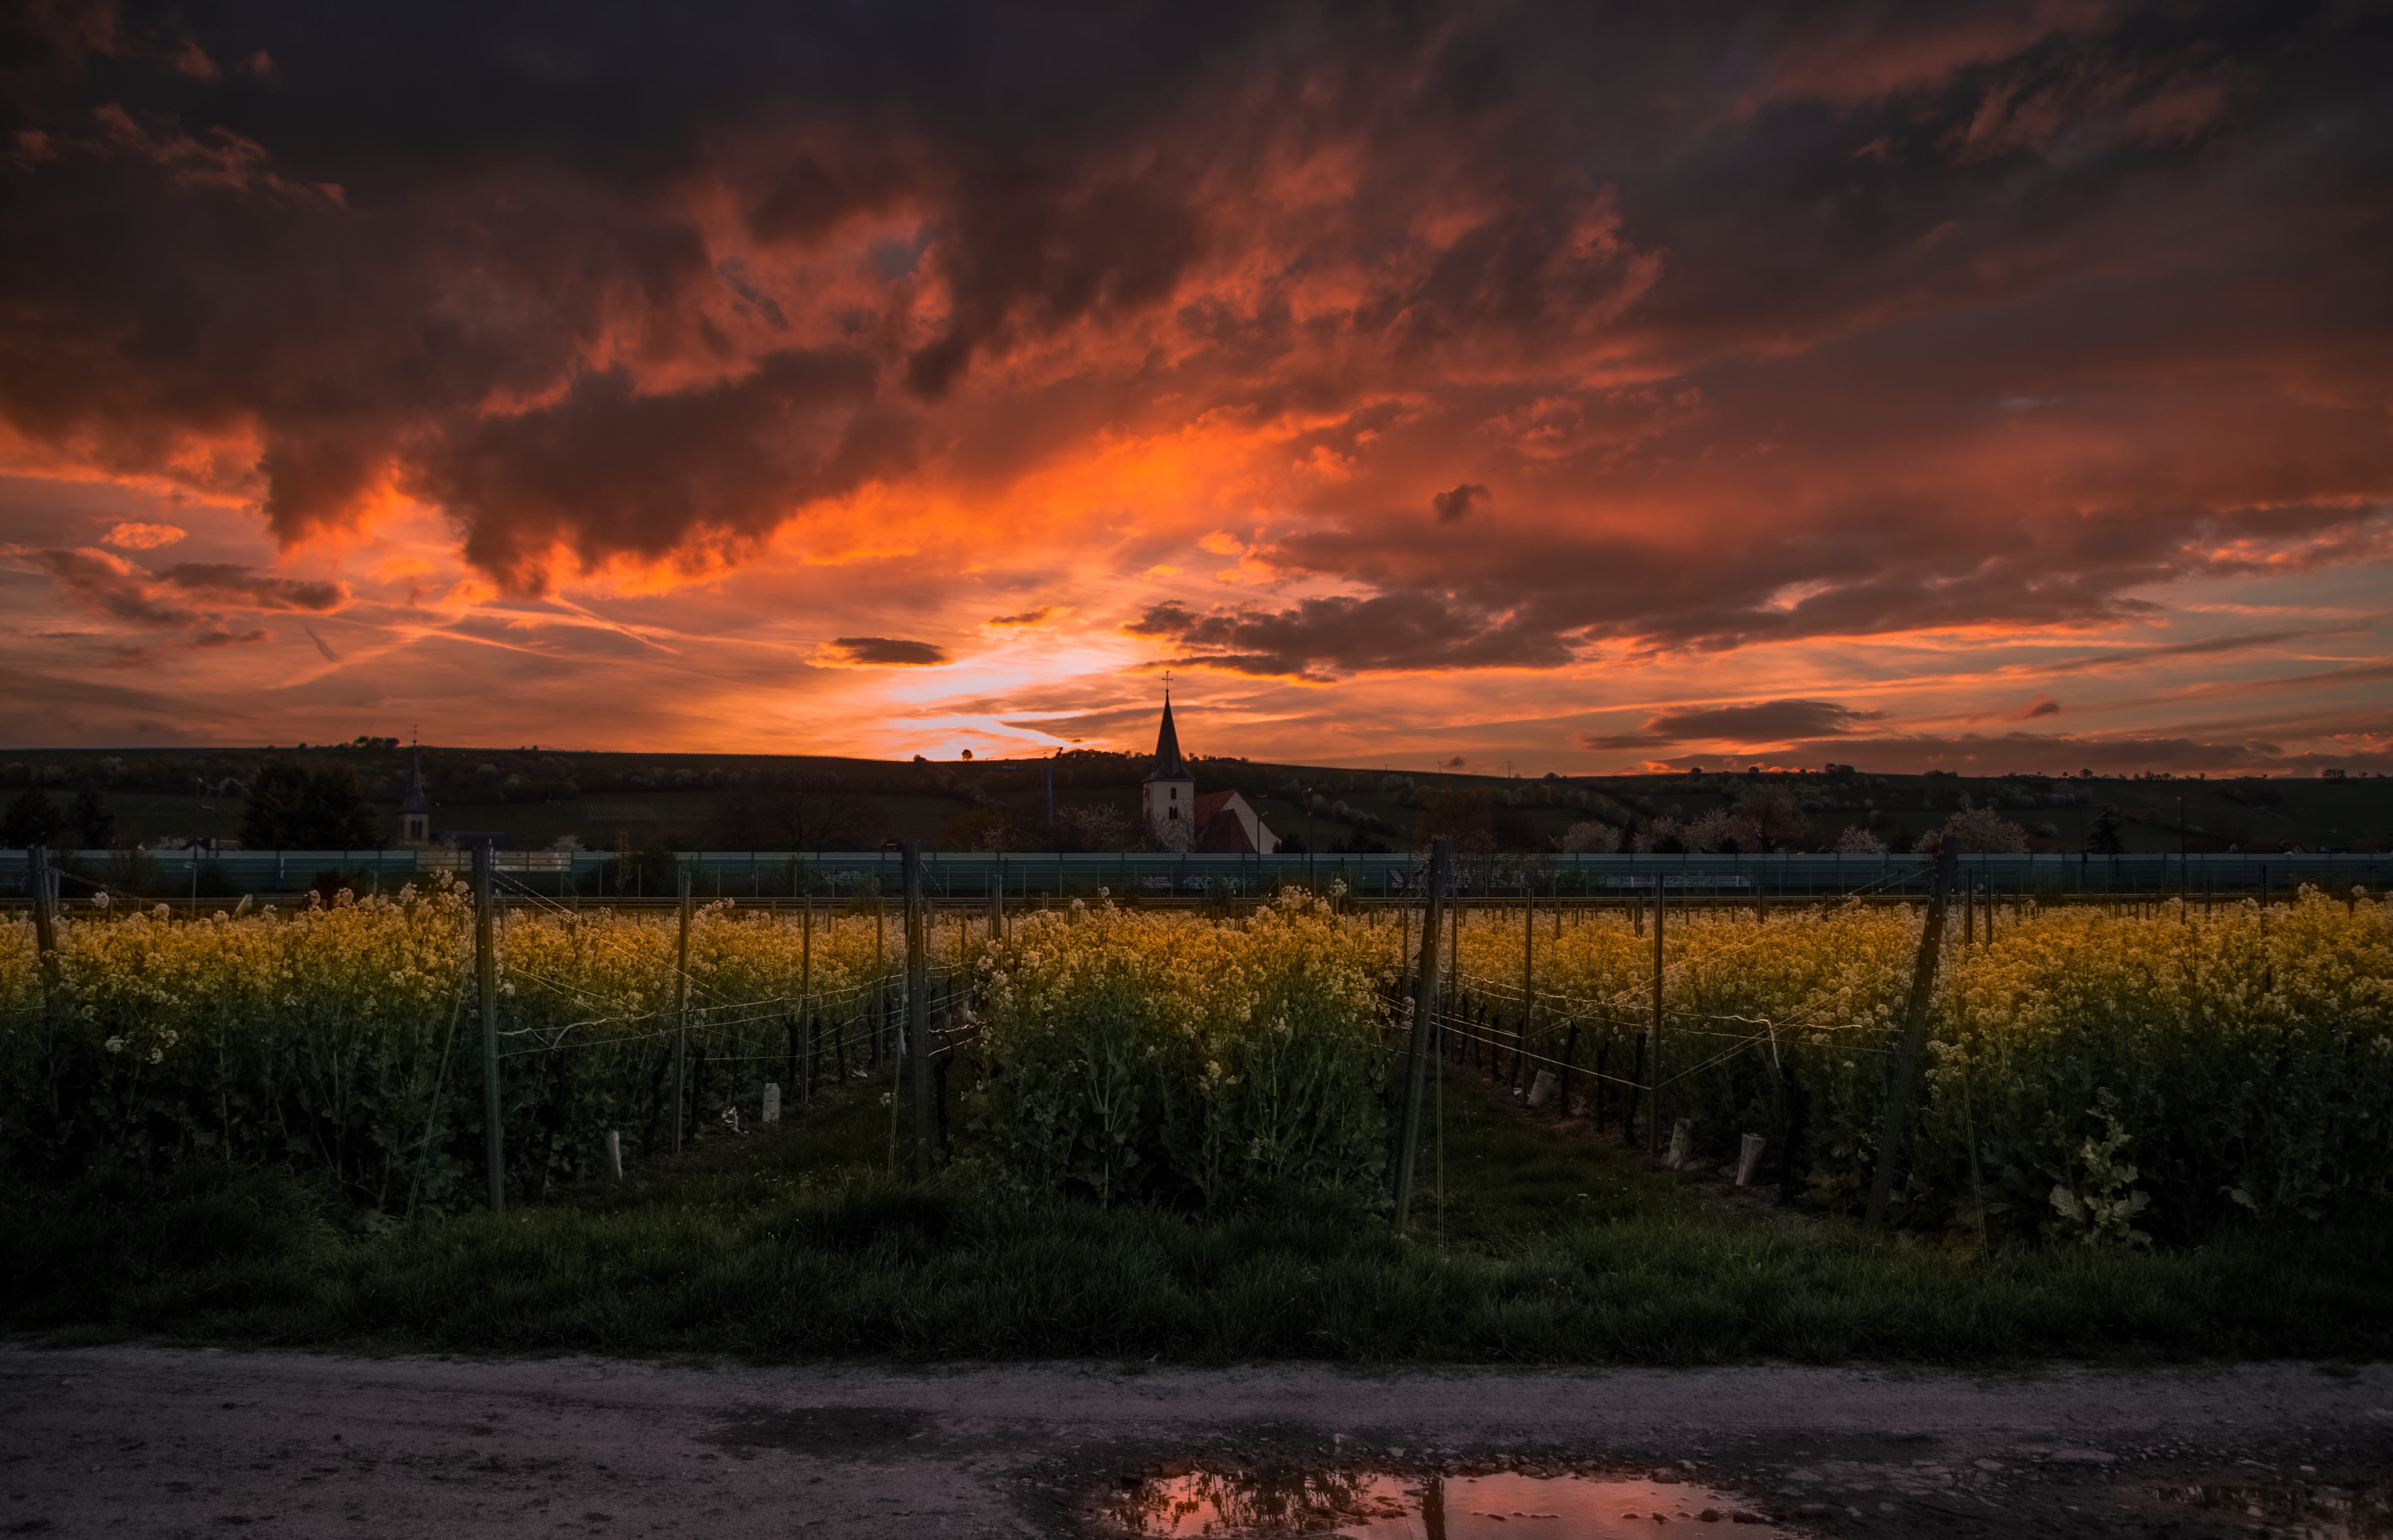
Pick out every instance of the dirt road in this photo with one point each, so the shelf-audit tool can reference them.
(138, 1440)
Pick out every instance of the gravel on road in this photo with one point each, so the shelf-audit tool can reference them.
(155, 1440)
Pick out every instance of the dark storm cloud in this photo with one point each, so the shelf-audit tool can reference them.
(1323, 638)
(363, 276)
(1765, 721)
(2207, 647)
(2062, 753)
(187, 596)
(1760, 722)
(890, 651)
(248, 589)
(1459, 502)
(522, 266)
(1854, 570)
(608, 471)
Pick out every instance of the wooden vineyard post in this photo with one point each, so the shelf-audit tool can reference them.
(805, 998)
(918, 1016)
(1914, 1035)
(681, 1014)
(486, 980)
(1424, 1034)
(1654, 1054)
(1528, 973)
(37, 887)
(1790, 1091)
(615, 1157)
(1453, 974)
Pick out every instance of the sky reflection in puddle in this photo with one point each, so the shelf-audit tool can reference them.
(1367, 1504)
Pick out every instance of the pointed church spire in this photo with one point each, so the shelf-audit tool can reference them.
(413, 801)
(1168, 762)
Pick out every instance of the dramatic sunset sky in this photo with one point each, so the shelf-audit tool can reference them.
(1582, 387)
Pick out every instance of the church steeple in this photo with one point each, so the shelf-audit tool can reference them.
(1168, 797)
(1169, 766)
(414, 811)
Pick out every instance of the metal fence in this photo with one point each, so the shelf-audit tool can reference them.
(973, 875)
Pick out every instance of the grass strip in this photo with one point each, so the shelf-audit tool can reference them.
(794, 1244)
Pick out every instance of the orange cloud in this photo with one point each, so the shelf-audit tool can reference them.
(1894, 364)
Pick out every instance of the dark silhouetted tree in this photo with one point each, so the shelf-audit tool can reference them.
(32, 819)
(291, 806)
(91, 819)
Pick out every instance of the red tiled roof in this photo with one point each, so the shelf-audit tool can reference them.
(1223, 834)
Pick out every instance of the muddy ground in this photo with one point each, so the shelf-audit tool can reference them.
(147, 1440)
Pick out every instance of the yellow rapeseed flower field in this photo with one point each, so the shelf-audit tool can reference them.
(2091, 1075)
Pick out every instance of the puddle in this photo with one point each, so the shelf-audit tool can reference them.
(1385, 1506)
(2312, 1513)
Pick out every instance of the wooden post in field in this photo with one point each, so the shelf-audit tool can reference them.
(37, 887)
(1424, 1034)
(1791, 1096)
(615, 1157)
(1453, 943)
(1914, 1035)
(1528, 970)
(918, 1014)
(1654, 1055)
(805, 998)
(486, 979)
(681, 1015)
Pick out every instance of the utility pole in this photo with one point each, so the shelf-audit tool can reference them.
(1424, 1034)
(486, 980)
(918, 1016)
(1915, 1033)
(681, 1013)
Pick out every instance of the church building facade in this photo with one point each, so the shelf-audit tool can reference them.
(1223, 823)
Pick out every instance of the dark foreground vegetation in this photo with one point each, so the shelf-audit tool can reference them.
(1547, 1247)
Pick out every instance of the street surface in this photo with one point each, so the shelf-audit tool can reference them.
(146, 1441)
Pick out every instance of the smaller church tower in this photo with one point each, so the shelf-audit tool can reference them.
(1169, 797)
(414, 812)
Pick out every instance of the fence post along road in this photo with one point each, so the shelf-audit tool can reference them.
(917, 1016)
(41, 884)
(1915, 1033)
(1424, 1033)
(486, 980)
